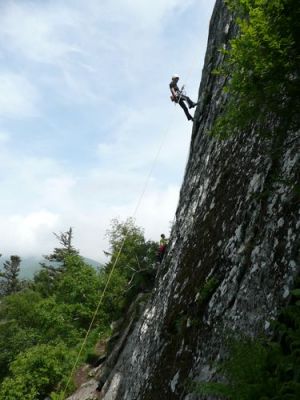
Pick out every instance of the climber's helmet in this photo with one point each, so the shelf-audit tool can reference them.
(175, 77)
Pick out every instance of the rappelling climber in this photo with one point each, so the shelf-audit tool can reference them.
(179, 97)
(162, 248)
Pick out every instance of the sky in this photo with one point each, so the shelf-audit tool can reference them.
(87, 128)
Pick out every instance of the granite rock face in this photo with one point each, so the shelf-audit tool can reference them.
(233, 253)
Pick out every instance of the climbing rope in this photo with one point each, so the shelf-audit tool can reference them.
(115, 263)
(183, 91)
(117, 259)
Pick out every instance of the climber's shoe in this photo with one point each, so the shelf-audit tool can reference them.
(193, 105)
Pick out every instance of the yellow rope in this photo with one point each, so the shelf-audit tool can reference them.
(113, 267)
(116, 261)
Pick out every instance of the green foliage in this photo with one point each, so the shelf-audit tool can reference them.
(262, 65)
(207, 290)
(82, 285)
(247, 373)
(20, 307)
(36, 372)
(67, 249)
(17, 326)
(43, 282)
(29, 321)
(263, 369)
(113, 302)
(136, 251)
(58, 307)
(13, 340)
(135, 261)
(10, 282)
(45, 279)
(91, 351)
(180, 324)
(55, 321)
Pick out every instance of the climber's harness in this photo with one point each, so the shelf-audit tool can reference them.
(179, 94)
(182, 92)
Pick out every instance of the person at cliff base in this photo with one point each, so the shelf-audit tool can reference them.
(179, 97)
(162, 248)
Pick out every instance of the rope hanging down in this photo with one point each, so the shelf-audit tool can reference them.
(116, 261)
(114, 265)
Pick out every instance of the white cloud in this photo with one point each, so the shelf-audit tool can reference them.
(104, 66)
(4, 137)
(50, 199)
(27, 234)
(136, 145)
(155, 213)
(18, 97)
(91, 46)
(52, 40)
(35, 31)
(149, 11)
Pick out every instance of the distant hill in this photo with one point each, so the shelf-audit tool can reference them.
(30, 265)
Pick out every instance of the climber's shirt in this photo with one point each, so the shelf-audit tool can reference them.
(173, 85)
(163, 243)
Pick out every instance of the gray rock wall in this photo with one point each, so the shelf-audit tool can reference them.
(233, 254)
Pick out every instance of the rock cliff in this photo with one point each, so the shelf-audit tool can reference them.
(233, 253)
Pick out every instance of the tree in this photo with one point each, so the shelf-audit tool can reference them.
(45, 279)
(19, 327)
(261, 69)
(41, 326)
(36, 372)
(10, 282)
(132, 256)
(67, 249)
(83, 287)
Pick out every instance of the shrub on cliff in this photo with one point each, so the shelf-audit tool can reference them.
(262, 368)
(132, 256)
(262, 68)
